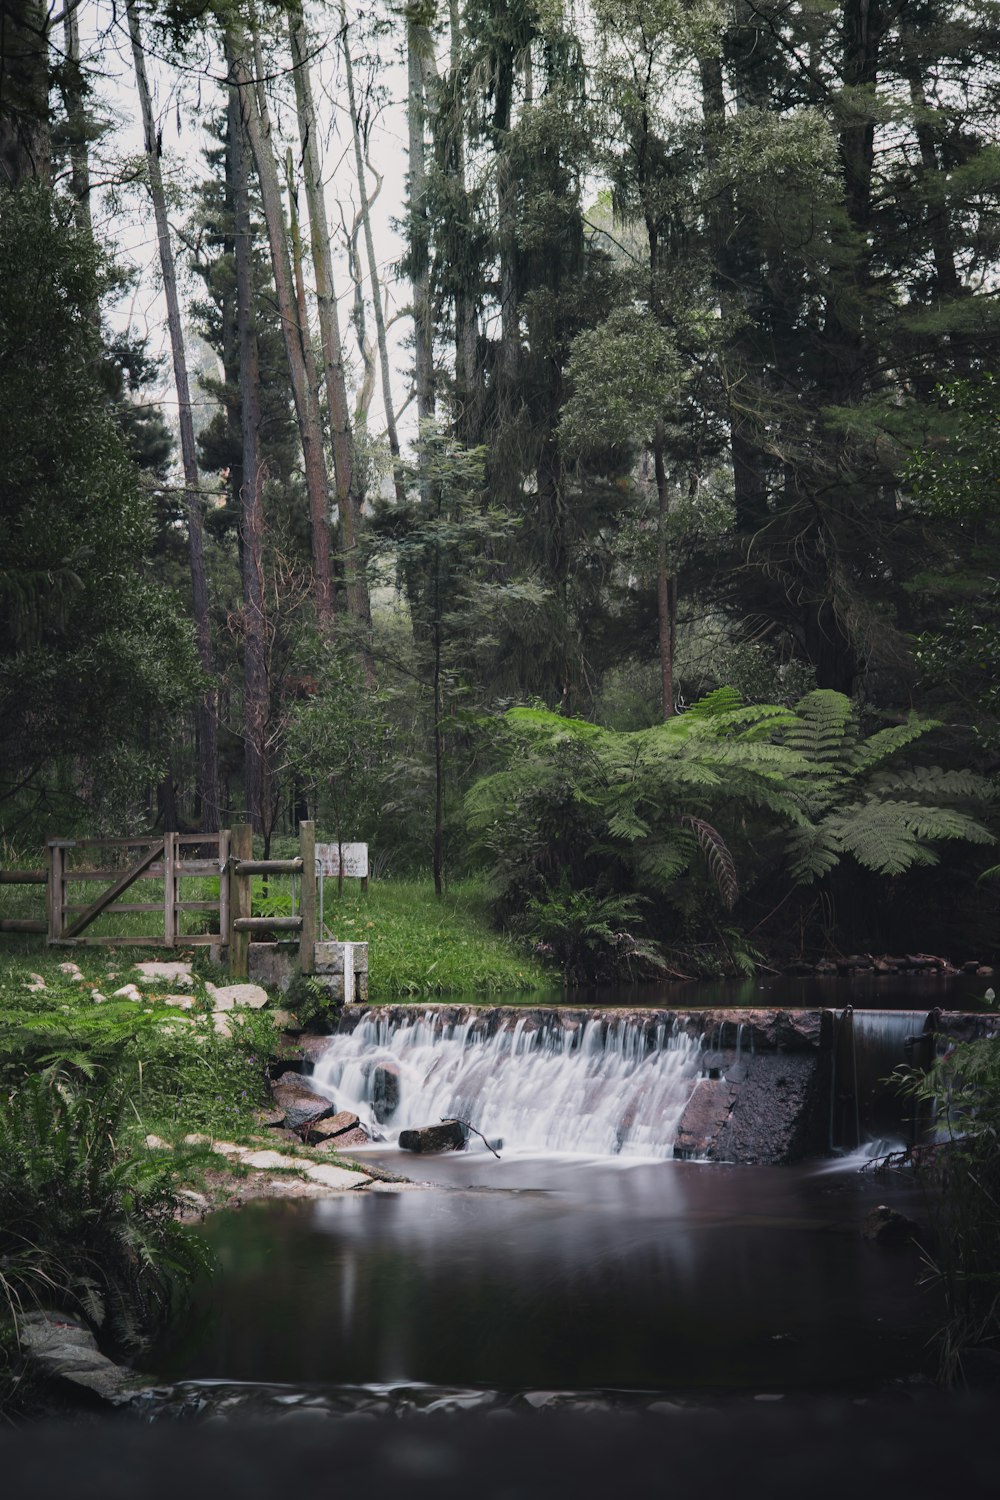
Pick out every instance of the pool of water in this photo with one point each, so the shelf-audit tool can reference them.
(543, 1273)
(867, 991)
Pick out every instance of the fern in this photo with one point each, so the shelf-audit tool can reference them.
(718, 856)
(823, 730)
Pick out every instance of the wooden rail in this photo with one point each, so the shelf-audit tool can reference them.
(118, 864)
(242, 868)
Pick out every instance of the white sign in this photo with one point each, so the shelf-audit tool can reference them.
(355, 860)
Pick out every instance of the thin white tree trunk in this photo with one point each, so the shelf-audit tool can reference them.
(257, 126)
(329, 321)
(208, 760)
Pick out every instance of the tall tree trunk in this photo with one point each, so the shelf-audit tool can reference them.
(257, 126)
(329, 323)
(255, 676)
(208, 756)
(374, 280)
(76, 120)
(469, 393)
(417, 44)
(949, 283)
(25, 143)
(664, 601)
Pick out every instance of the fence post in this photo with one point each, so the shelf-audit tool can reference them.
(225, 932)
(240, 903)
(307, 901)
(169, 890)
(54, 894)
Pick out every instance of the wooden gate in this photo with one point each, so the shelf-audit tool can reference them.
(118, 864)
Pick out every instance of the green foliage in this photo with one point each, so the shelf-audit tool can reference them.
(85, 1224)
(93, 657)
(187, 1075)
(424, 946)
(723, 791)
(312, 1001)
(586, 932)
(961, 1173)
(889, 820)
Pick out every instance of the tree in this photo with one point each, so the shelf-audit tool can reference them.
(439, 544)
(208, 754)
(95, 660)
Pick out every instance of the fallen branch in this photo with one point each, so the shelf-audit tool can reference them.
(453, 1120)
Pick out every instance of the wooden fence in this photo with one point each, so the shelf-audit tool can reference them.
(116, 865)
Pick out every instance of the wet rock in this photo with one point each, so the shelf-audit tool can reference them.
(778, 1115)
(971, 966)
(360, 1135)
(301, 1106)
(336, 1177)
(448, 1136)
(855, 962)
(705, 1113)
(332, 1125)
(887, 1226)
(385, 1091)
(58, 1347)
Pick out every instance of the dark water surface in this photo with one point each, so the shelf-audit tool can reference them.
(866, 991)
(534, 1272)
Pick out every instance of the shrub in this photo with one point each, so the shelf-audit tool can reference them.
(86, 1225)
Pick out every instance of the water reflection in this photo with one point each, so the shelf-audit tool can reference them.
(553, 1273)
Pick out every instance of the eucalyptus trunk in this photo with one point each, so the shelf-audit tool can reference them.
(251, 510)
(207, 712)
(418, 43)
(257, 127)
(358, 602)
(374, 279)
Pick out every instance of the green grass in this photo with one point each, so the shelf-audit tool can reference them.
(421, 946)
(186, 1076)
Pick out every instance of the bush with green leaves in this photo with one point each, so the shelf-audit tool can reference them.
(87, 1225)
(961, 1175)
(688, 813)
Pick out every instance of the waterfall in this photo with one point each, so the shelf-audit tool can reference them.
(870, 1045)
(602, 1086)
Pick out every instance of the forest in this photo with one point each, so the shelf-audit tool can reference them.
(611, 511)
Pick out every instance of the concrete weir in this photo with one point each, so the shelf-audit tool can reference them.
(764, 1086)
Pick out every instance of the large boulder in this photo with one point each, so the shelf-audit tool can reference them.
(301, 1106)
(58, 1347)
(448, 1136)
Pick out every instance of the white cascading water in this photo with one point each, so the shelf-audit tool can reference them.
(600, 1089)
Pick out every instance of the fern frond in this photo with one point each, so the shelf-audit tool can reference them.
(824, 730)
(813, 852)
(721, 865)
(929, 782)
(886, 742)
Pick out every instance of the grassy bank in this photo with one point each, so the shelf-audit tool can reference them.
(420, 945)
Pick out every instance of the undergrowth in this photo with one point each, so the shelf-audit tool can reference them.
(421, 945)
